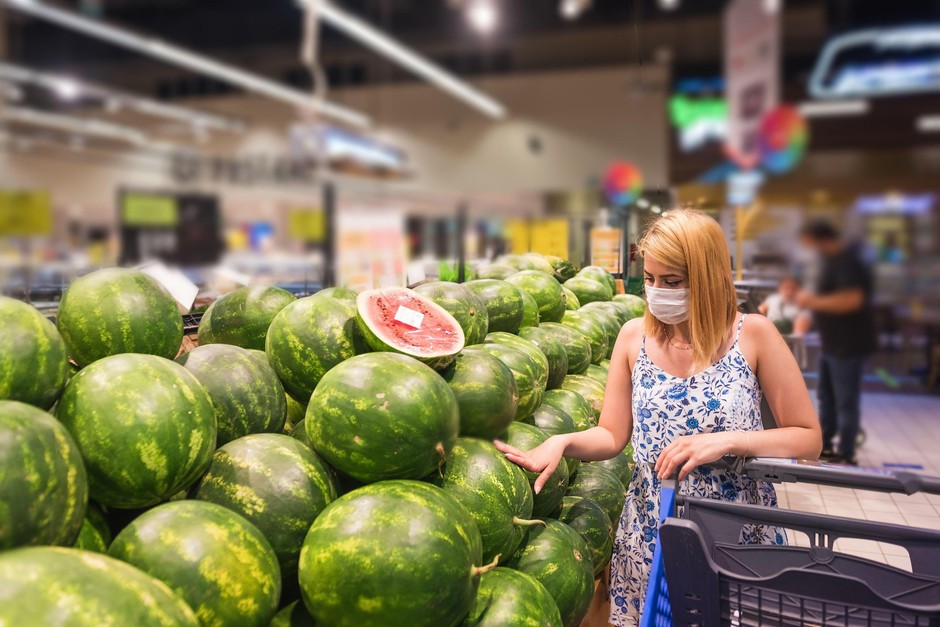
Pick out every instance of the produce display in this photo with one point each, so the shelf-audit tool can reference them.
(322, 461)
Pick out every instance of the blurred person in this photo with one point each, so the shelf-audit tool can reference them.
(842, 310)
(685, 384)
(783, 311)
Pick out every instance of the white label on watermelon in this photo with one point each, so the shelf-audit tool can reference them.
(409, 316)
(176, 283)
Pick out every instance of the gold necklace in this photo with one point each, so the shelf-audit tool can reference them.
(681, 347)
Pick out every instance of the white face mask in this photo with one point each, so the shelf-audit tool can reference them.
(669, 306)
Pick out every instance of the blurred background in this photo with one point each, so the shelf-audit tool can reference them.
(385, 142)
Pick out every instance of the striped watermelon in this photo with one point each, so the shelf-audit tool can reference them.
(310, 336)
(43, 489)
(242, 316)
(558, 557)
(391, 554)
(246, 394)
(509, 598)
(562, 268)
(571, 301)
(117, 310)
(598, 274)
(591, 390)
(527, 373)
(635, 304)
(555, 421)
(519, 262)
(592, 522)
(57, 587)
(589, 290)
(293, 615)
(529, 348)
(145, 427)
(602, 486)
(341, 293)
(525, 438)
(598, 373)
(214, 559)
(503, 302)
(402, 321)
(577, 346)
(616, 308)
(277, 483)
(486, 393)
(530, 311)
(607, 321)
(498, 271)
(95, 534)
(621, 465)
(588, 324)
(295, 412)
(495, 492)
(465, 306)
(33, 363)
(544, 289)
(554, 352)
(573, 404)
(383, 416)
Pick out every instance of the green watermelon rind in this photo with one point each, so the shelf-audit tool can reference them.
(577, 346)
(486, 393)
(242, 317)
(525, 438)
(591, 521)
(544, 289)
(503, 303)
(464, 305)
(588, 324)
(509, 598)
(602, 486)
(554, 352)
(34, 365)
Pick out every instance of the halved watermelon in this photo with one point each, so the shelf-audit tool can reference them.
(400, 320)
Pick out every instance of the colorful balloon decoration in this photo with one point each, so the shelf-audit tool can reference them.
(623, 183)
(782, 141)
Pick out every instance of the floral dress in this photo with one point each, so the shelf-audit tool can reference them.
(724, 397)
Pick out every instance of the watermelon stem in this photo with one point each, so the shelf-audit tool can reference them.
(522, 522)
(443, 453)
(476, 571)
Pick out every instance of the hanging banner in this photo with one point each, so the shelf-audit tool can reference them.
(605, 249)
(370, 246)
(752, 74)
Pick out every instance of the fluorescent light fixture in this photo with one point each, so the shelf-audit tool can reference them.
(189, 60)
(482, 15)
(928, 123)
(72, 124)
(572, 9)
(373, 38)
(833, 108)
(67, 89)
(668, 5)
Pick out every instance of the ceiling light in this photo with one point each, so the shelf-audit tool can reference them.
(378, 41)
(668, 5)
(572, 9)
(656, 209)
(835, 108)
(642, 203)
(73, 124)
(928, 123)
(772, 6)
(67, 89)
(482, 15)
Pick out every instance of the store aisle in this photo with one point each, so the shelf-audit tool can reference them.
(903, 430)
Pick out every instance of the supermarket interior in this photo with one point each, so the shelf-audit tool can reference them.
(277, 180)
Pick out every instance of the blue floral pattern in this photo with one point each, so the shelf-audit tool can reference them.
(724, 397)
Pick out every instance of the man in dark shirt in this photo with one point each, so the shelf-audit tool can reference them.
(843, 314)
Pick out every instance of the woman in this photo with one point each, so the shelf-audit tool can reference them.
(686, 382)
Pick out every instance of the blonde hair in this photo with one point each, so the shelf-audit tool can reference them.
(693, 242)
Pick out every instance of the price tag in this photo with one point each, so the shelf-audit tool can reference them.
(176, 283)
(409, 316)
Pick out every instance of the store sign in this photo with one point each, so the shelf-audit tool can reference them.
(345, 151)
(546, 237)
(370, 245)
(249, 170)
(698, 120)
(879, 62)
(605, 249)
(897, 204)
(25, 213)
(752, 74)
(743, 187)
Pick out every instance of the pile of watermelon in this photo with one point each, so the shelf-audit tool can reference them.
(327, 460)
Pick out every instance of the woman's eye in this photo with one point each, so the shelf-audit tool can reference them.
(673, 283)
(649, 280)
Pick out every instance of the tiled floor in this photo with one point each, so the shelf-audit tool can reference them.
(900, 429)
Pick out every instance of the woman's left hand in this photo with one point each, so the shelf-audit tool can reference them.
(686, 453)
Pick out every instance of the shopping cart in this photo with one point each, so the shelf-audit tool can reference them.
(702, 576)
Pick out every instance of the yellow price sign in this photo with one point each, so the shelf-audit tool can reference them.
(307, 225)
(25, 213)
(546, 237)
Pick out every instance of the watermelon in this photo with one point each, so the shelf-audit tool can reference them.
(558, 557)
(242, 316)
(33, 362)
(402, 321)
(145, 426)
(571, 301)
(95, 534)
(495, 492)
(383, 416)
(214, 559)
(554, 352)
(530, 311)
(58, 587)
(310, 336)
(591, 521)
(618, 310)
(299, 433)
(544, 289)
(598, 373)
(591, 390)
(539, 263)
(293, 615)
(464, 305)
(555, 421)
(509, 598)
(43, 487)
(527, 373)
(577, 407)
(519, 262)
(606, 321)
(117, 310)
(340, 293)
(602, 486)
(496, 271)
(503, 302)
(295, 412)
(486, 393)
(621, 465)
(525, 438)
(277, 483)
(605, 364)
(589, 290)
(562, 269)
(530, 349)
(576, 344)
(636, 305)
(599, 274)
(246, 394)
(391, 554)
(592, 328)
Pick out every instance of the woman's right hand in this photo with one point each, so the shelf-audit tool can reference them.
(543, 459)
